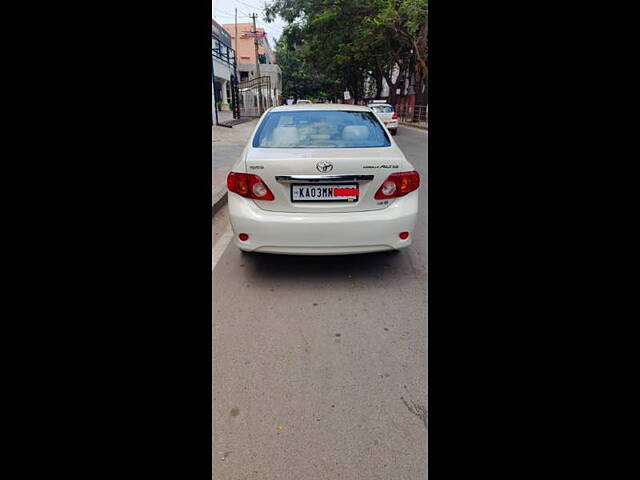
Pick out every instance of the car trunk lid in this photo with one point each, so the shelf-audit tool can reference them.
(302, 179)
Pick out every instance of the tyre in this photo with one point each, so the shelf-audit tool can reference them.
(394, 131)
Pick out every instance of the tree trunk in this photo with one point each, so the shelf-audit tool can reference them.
(355, 88)
(378, 91)
(378, 79)
(393, 86)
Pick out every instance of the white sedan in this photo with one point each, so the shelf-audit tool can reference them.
(322, 179)
(387, 114)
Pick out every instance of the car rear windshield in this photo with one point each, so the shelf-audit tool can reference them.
(382, 109)
(321, 129)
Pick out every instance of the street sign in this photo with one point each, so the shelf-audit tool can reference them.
(347, 96)
(252, 34)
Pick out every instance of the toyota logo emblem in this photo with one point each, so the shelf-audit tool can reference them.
(324, 167)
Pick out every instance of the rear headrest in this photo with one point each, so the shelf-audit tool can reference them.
(285, 136)
(355, 132)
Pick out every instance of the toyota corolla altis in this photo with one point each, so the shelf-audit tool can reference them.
(322, 179)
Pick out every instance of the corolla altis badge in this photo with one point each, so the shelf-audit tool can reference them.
(324, 167)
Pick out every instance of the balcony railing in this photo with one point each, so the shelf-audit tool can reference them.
(227, 56)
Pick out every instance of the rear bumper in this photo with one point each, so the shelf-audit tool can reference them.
(323, 233)
(392, 125)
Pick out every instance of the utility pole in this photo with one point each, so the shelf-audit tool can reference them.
(234, 83)
(253, 16)
(255, 41)
(235, 47)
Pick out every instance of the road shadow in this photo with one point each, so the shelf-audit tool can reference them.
(367, 267)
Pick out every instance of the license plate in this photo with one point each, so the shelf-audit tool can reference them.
(325, 193)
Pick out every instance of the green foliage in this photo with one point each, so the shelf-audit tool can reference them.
(332, 45)
(300, 79)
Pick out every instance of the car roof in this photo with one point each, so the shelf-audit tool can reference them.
(343, 107)
(379, 105)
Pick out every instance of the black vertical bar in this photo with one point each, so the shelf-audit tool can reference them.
(213, 80)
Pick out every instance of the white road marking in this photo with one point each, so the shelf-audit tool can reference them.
(220, 246)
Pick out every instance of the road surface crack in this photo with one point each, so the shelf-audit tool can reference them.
(304, 339)
(417, 409)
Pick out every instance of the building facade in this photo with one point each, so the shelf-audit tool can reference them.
(224, 59)
(246, 57)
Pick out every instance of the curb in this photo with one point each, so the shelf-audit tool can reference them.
(425, 130)
(219, 202)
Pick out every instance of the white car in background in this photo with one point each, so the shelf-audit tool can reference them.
(387, 114)
(322, 179)
(300, 102)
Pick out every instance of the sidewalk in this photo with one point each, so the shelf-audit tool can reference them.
(223, 116)
(422, 128)
(227, 147)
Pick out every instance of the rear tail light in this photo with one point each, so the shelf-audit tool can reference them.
(394, 116)
(398, 185)
(244, 237)
(249, 186)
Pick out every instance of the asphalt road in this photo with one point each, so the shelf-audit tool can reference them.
(320, 363)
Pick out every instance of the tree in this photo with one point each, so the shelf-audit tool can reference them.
(299, 78)
(397, 31)
(341, 41)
